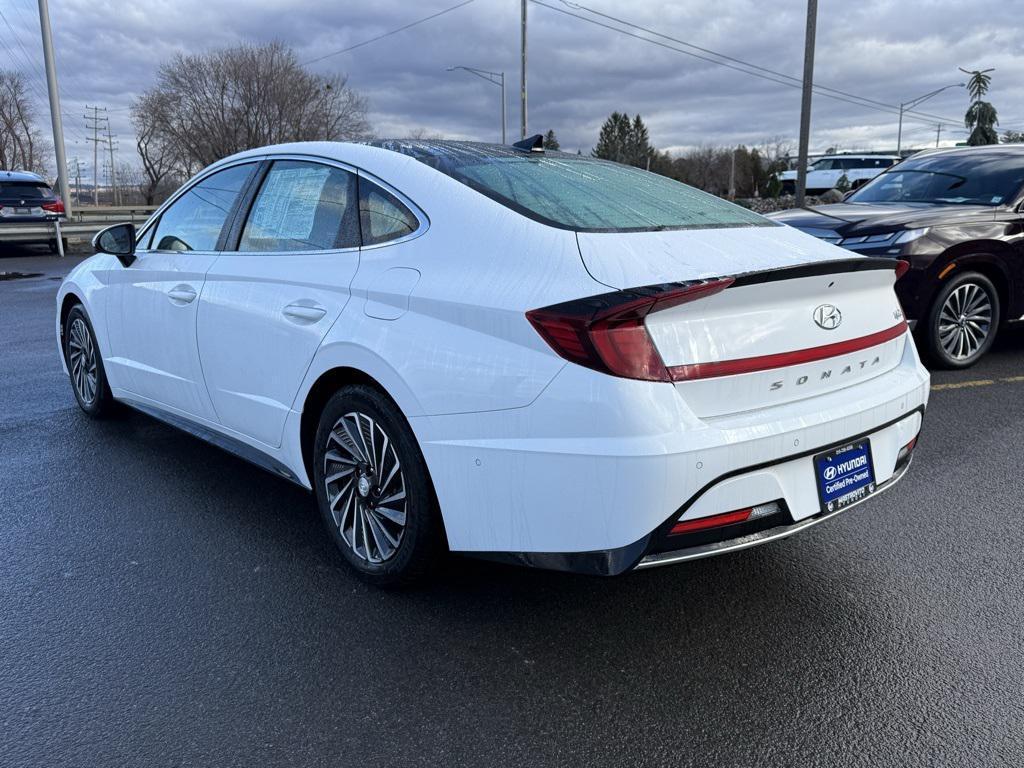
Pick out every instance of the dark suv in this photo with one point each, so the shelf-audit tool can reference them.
(26, 198)
(957, 215)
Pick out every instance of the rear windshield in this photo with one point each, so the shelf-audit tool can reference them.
(580, 193)
(26, 190)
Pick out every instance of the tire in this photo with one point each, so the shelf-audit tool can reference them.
(789, 187)
(85, 365)
(962, 321)
(382, 515)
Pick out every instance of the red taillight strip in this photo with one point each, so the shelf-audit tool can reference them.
(694, 371)
(713, 521)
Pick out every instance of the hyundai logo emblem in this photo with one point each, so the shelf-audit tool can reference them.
(828, 317)
(830, 473)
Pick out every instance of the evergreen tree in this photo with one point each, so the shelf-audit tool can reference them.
(624, 140)
(551, 141)
(981, 116)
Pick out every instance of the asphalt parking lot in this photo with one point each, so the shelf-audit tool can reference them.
(163, 603)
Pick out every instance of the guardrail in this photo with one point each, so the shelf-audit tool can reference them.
(113, 213)
(83, 224)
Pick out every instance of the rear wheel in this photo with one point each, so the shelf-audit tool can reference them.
(85, 366)
(963, 320)
(373, 488)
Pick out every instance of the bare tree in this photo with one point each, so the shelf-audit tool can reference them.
(158, 153)
(204, 107)
(21, 144)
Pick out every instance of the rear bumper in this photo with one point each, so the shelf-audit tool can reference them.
(651, 550)
(587, 476)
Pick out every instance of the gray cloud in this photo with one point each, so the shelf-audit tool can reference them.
(579, 73)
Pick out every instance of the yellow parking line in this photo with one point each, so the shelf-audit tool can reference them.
(964, 384)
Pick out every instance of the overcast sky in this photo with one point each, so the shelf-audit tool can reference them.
(578, 72)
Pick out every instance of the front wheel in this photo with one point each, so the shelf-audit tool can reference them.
(963, 320)
(373, 488)
(85, 366)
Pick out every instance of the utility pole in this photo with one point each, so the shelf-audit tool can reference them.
(732, 175)
(522, 73)
(115, 194)
(93, 123)
(54, 94)
(938, 132)
(805, 102)
(78, 181)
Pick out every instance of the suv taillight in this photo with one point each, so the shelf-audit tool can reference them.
(57, 206)
(607, 332)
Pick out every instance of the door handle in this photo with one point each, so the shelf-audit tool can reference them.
(182, 294)
(304, 313)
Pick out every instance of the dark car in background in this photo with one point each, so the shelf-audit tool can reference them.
(956, 216)
(26, 198)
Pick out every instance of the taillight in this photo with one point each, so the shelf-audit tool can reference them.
(904, 455)
(57, 206)
(607, 333)
(901, 268)
(726, 518)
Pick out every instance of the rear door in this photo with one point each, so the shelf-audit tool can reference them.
(153, 347)
(269, 300)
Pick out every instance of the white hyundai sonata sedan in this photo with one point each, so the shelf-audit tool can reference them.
(523, 355)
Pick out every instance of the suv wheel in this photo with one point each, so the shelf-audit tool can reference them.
(963, 320)
(373, 488)
(85, 366)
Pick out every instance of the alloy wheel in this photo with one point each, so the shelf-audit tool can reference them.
(82, 361)
(365, 487)
(965, 321)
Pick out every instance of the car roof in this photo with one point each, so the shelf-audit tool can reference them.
(868, 155)
(1013, 149)
(21, 176)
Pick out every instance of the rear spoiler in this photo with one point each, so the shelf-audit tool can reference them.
(818, 268)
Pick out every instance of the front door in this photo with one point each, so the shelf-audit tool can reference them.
(155, 347)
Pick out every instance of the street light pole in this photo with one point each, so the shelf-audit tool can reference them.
(54, 94)
(495, 78)
(913, 103)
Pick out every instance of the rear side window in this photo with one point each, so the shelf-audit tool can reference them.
(25, 190)
(194, 221)
(303, 206)
(382, 216)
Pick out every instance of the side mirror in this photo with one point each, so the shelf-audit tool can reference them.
(117, 240)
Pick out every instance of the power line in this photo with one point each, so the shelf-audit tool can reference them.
(742, 62)
(387, 34)
(785, 80)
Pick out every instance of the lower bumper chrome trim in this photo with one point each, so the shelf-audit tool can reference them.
(762, 537)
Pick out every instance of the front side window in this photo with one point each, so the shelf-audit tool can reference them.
(303, 206)
(827, 164)
(383, 216)
(194, 221)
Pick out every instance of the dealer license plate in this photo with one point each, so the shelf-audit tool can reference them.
(844, 475)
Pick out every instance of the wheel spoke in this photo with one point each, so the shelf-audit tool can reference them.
(338, 475)
(394, 515)
(393, 497)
